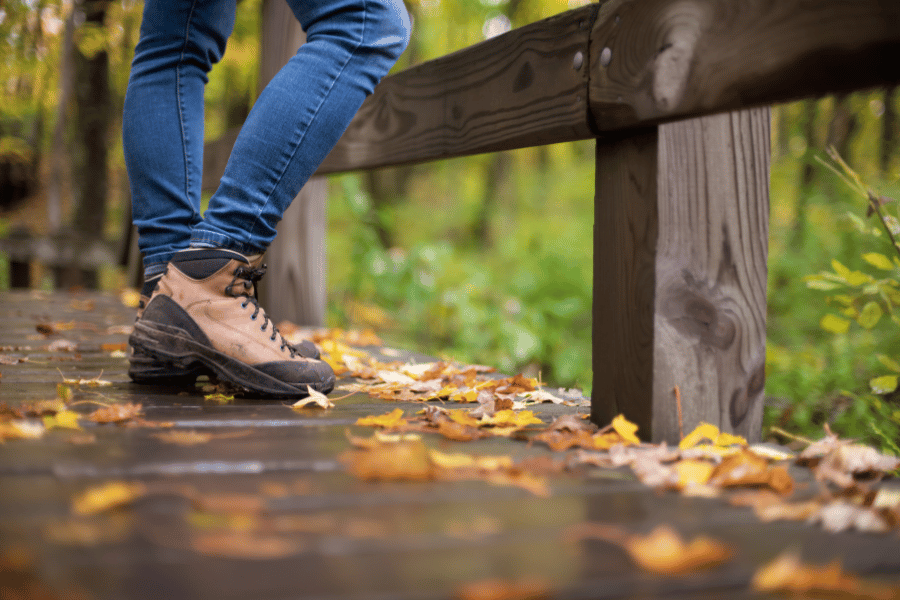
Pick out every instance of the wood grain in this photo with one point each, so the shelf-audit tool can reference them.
(626, 228)
(680, 248)
(658, 60)
(515, 90)
(710, 306)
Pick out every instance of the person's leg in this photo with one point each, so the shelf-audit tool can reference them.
(205, 309)
(300, 115)
(162, 123)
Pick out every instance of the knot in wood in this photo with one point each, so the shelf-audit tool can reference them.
(684, 23)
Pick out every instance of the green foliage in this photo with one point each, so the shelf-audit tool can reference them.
(846, 372)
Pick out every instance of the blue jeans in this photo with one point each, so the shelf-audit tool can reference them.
(293, 125)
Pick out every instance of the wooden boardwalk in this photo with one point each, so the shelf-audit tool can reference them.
(263, 508)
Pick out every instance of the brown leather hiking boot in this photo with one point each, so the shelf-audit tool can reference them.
(204, 313)
(145, 369)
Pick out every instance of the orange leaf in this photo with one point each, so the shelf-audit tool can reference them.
(786, 573)
(664, 551)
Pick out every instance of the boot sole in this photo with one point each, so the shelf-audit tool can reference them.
(147, 370)
(171, 345)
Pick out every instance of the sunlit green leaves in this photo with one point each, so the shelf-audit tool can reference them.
(834, 324)
(879, 260)
(870, 315)
(884, 384)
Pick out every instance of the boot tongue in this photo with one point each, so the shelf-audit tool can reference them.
(200, 263)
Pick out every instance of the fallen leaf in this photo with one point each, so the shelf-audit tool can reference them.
(749, 469)
(219, 398)
(116, 413)
(314, 399)
(787, 573)
(66, 419)
(388, 420)
(21, 429)
(663, 551)
(106, 496)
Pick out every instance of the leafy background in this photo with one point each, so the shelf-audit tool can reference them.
(487, 259)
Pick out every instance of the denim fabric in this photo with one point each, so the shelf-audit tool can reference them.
(293, 125)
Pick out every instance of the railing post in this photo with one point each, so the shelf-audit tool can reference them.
(295, 287)
(680, 249)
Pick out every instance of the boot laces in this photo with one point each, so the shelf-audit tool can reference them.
(245, 279)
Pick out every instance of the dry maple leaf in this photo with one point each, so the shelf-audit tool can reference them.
(314, 399)
(107, 496)
(787, 573)
(749, 469)
(116, 413)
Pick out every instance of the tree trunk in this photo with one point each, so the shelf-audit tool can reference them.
(92, 127)
(57, 152)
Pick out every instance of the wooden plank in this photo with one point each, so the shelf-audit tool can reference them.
(656, 60)
(648, 62)
(523, 88)
(680, 249)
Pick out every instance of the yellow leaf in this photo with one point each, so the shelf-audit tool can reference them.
(106, 496)
(467, 396)
(878, 260)
(626, 429)
(462, 417)
(511, 418)
(703, 431)
(65, 419)
(834, 324)
(728, 439)
(391, 419)
(693, 472)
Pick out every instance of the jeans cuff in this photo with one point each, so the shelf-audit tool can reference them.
(211, 239)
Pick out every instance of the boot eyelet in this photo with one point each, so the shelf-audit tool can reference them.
(243, 305)
(252, 317)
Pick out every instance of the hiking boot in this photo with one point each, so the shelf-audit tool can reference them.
(145, 369)
(204, 314)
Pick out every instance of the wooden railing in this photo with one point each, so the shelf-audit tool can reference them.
(681, 197)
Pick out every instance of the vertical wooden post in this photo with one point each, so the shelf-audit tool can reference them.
(294, 288)
(680, 249)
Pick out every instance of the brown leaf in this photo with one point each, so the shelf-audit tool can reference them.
(664, 551)
(116, 413)
(787, 573)
(749, 469)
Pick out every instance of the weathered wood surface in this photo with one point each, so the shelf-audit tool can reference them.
(680, 247)
(648, 62)
(347, 538)
(658, 60)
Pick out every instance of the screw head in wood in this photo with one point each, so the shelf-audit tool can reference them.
(578, 60)
(605, 56)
